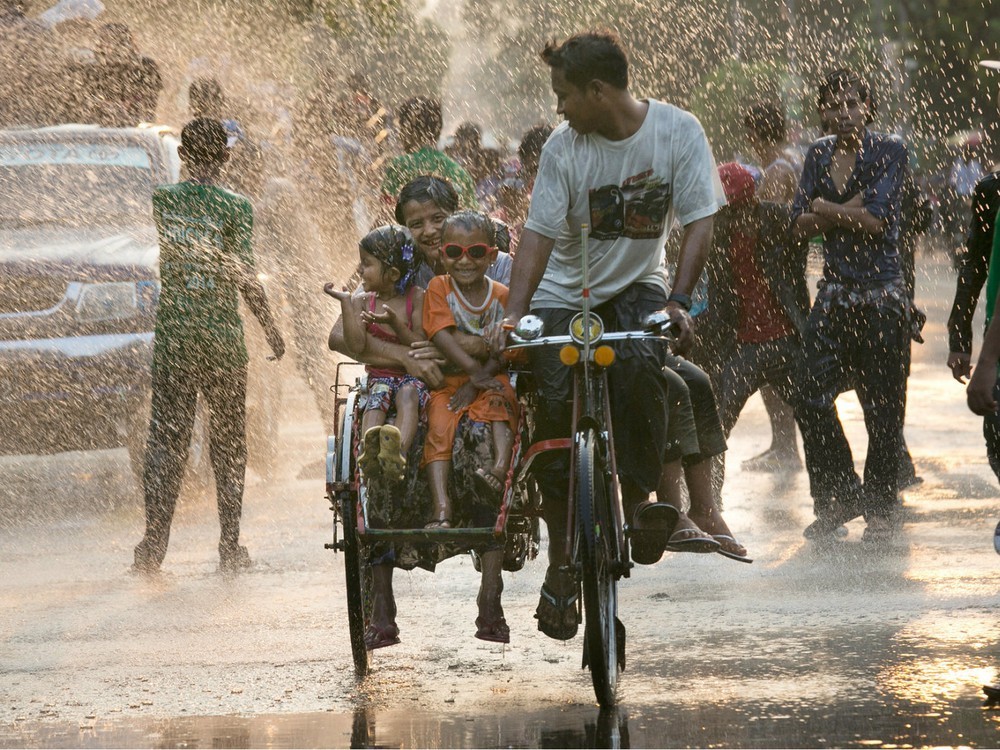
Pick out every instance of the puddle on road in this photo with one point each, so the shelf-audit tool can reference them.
(873, 720)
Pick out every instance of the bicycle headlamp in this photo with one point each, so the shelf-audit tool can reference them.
(580, 332)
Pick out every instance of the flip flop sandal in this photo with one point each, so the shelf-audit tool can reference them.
(496, 631)
(390, 455)
(729, 547)
(692, 540)
(488, 483)
(376, 637)
(368, 461)
(830, 524)
(557, 615)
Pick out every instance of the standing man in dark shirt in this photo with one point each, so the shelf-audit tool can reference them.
(974, 266)
(758, 298)
(857, 331)
(972, 271)
(125, 85)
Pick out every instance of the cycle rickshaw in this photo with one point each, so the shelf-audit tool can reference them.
(597, 537)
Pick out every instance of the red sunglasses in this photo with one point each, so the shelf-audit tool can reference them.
(478, 251)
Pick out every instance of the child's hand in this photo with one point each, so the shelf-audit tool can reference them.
(483, 381)
(463, 397)
(386, 317)
(343, 295)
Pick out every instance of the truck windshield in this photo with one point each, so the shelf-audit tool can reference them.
(78, 186)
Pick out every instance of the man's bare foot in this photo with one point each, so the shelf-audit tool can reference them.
(688, 536)
(715, 526)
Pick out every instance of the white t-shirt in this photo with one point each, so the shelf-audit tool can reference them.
(630, 192)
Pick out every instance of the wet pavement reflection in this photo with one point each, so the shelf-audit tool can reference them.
(884, 721)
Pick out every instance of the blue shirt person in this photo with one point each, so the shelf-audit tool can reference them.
(857, 333)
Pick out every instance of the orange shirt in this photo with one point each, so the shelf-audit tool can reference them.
(445, 307)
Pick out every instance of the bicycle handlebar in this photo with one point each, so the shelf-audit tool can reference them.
(658, 327)
(519, 343)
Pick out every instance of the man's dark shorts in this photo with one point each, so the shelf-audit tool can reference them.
(662, 406)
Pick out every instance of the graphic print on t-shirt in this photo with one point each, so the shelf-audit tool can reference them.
(637, 209)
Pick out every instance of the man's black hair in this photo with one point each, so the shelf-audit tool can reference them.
(206, 91)
(590, 56)
(204, 139)
(843, 79)
(469, 131)
(532, 141)
(767, 120)
(427, 189)
(421, 117)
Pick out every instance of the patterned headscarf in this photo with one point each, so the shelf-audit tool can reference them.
(393, 245)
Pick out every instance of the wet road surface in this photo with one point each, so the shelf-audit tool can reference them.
(807, 647)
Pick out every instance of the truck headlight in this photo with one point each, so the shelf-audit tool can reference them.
(107, 301)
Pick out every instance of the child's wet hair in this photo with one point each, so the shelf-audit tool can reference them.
(392, 245)
(472, 221)
(205, 139)
(426, 189)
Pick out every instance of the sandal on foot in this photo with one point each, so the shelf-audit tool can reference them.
(652, 525)
(376, 637)
(729, 547)
(438, 523)
(368, 462)
(390, 455)
(557, 615)
(496, 631)
(692, 540)
(488, 483)
(880, 530)
(829, 523)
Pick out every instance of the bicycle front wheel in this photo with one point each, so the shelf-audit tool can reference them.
(596, 553)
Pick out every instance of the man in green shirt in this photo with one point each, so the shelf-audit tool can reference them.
(420, 125)
(206, 261)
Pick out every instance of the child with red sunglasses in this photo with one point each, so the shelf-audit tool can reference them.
(466, 300)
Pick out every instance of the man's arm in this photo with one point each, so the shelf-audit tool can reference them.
(696, 242)
(379, 353)
(256, 299)
(851, 215)
(238, 261)
(809, 224)
(526, 274)
(979, 394)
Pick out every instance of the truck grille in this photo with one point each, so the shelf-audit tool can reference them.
(20, 294)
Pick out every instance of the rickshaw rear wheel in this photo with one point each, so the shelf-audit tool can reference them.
(358, 572)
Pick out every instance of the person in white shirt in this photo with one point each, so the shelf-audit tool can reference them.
(628, 168)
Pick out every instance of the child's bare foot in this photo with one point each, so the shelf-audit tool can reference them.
(390, 456)
(488, 482)
(441, 522)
